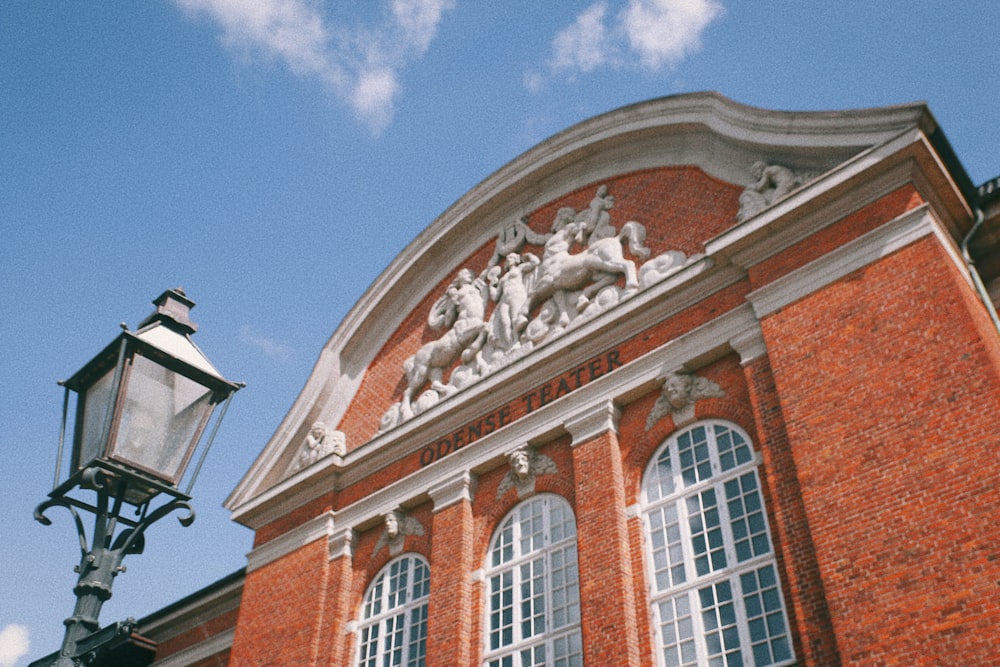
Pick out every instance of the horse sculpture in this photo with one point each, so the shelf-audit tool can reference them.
(561, 272)
(461, 309)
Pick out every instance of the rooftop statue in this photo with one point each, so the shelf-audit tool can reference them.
(771, 183)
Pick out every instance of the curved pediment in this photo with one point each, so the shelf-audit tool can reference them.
(532, 259)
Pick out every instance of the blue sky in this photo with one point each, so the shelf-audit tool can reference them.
(272, 157)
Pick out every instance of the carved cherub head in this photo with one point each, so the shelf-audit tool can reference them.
(520, 462)
(391, 521)
(397, 524)
(525, 465)
(677, 389)
(678, 395)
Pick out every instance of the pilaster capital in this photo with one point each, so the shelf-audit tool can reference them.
(593, 421)
(341, 543)
(749, 344)
(450, 491)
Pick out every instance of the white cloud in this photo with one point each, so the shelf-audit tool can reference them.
(663, 32)
(653, 34)
(419, 20)
(584, 44)
(373, 94)
(267, 346)
(360, 64)
(14, 644)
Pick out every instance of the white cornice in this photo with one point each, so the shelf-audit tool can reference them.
(905, 159)
(749, 344)
(307, 533)
(816, 204)
(327, 370)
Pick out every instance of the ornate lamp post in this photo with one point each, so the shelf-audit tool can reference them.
(142, 405)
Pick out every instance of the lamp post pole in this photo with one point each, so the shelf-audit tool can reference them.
(143, 404)
(101, 561)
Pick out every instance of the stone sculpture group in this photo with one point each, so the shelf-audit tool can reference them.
(582, 271)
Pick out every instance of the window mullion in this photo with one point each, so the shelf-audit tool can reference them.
(687, 544)
(698, 624)
(746, 649)
(727, 527)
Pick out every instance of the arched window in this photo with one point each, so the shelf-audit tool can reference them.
(532, 587)
(715, 592)
(393, 627)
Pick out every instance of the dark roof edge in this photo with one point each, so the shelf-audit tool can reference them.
(188, 600)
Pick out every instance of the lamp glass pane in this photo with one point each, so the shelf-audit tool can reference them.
(96, 403)
(162, 414)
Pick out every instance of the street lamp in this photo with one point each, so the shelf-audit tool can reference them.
(142, 405)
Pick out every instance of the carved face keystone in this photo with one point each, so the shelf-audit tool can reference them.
(520, 464)
(391, 525)
(677, 389)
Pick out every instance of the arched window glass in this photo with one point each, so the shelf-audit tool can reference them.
(532, 588)
(393, 627)
(715, 592)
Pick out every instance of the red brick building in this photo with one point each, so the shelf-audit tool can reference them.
(690, 383)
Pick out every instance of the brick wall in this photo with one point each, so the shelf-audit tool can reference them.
(282, 610)
(889, 390)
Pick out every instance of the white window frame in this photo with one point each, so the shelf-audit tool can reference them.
(555, 569)
(757, 555)
(380, 611)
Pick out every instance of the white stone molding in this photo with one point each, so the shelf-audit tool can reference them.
(749, 344)
(326, 384)
(841, 261)
(633, 511)
(200, 651)
(859, 181)
(317, 528)
(459, 488)
(341, 543)
(593, 421)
